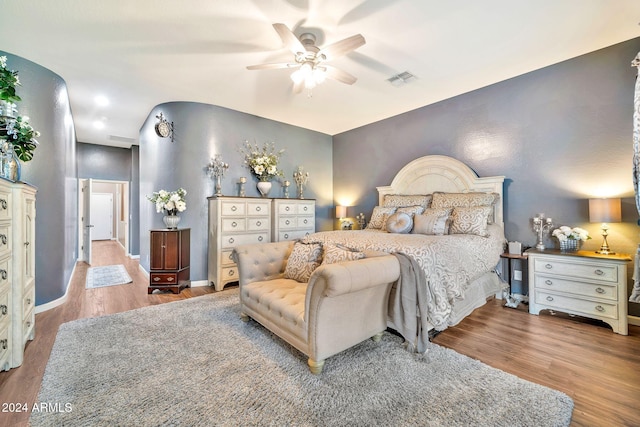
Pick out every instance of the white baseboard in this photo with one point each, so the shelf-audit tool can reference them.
(134, 256)
(56, 302)
(634, 320)
(196, 283)
(145, 272)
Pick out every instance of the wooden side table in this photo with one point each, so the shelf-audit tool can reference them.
(170, 257)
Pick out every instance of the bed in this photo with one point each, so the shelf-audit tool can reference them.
(460, 267)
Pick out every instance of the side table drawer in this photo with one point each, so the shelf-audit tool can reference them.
(157, 279)
(593, 271)
(583, 306)
(600, 290)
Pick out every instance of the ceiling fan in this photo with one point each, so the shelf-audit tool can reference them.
(310, 60)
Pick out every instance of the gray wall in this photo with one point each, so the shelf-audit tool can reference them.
(560, 135)
(201, 131)
(53, 171)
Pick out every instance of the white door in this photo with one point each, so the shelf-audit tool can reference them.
(87, 185)
(102, 216)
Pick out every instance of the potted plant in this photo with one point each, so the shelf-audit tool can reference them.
(262, 163)
(171, 203)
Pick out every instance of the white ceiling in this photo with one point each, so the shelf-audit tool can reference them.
(141, 53)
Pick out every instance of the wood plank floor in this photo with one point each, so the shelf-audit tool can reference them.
(600, 370)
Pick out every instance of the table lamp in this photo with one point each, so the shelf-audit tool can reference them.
(605, 211)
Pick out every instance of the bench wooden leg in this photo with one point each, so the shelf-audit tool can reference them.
(377, 337)
(244, 317)
(315, 366)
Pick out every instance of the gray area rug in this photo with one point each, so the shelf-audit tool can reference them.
(98, 277)
(194, 362)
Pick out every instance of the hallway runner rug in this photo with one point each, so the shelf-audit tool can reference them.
(196, 363)
(109, 275)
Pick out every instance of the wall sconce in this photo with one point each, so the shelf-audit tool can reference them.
(341, 214)
(163, 127)
(605, 211)
(541, 225)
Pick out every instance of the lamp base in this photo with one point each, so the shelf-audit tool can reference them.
(605, 252)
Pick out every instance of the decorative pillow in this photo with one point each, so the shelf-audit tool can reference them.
(304, 258)
(338, 253)
(377, 217)
(433, 222)
(401, 200)
(470, 221)
(399, 222)
(411, 210)
(465, 200)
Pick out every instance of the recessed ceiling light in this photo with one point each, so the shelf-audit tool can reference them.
(98, 124)
(101, 100)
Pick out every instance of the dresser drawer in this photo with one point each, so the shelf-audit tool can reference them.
(287, 222)
(4, 348)
(592, 271)
(226, 257)
(287, 208)
(306, 222)
(5, 265)
(158, 279)
(233, 224)
(233, 208)
(5, 205)
(231, 241)
(258, 224)
(28, 327)
(257, 208)
(230, 273)
(5, 315)
(601, 290)
(577, 305)
(306, 208)
(293, 235)
(5, 239)
(29, 300)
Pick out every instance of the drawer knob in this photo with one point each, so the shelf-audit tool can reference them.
(3, 203)
(548, 266)
(258, 208)
(28, 324)
(259, 238)
(305, 208)
(3, 239)
(231, 272)
(599, 272)
(4, 343)
(600, 290)
(286, 236)
(3, 274)
(169, 279)
(549, 298)
(259, 223)
(28, 301)
(286, 208)
(234, 224)
(287, 222)
(4, 309)
(156, 279)
(234, 208)
(231, 240)
(600, 308)
(548, 282)
(231, 256)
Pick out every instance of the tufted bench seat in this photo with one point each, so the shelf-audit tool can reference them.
(342, 304)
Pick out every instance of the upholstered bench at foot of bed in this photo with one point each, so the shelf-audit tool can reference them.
(342, 305)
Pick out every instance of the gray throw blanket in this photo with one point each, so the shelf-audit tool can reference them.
(408, 306)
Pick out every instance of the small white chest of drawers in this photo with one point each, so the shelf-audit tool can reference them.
(293, 218)
(583, 283)
(234, 221)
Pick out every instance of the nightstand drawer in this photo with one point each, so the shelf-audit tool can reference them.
(158, 279)
(577, 305)
(550, 283)
(593, 271)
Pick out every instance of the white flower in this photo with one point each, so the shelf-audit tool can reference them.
(181, 206)
(171, 202)
(258, 169)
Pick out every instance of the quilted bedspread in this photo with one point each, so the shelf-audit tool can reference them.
(450, 262)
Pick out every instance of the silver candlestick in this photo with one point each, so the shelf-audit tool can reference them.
(360, 219)
(285, 189)
(301, 179)
(216, 169)
(541, 225)
(241, 183)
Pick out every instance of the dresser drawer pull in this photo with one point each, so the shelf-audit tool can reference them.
(28, 324)
(259, 238)
(231, 240)
(234, 224)
(3, 274)
(549, 299)
(600, 290)
(28, 301)
(231, 256)
(599, 308)
(231, 272)
(156, 279)
(4, 343)
(234, 208)
(286, 236)
(4, 309)
(169, 279)
(3, 239)
(287, 222)
(287, 208)
(258, 208)
(599, 272)
(305, 208)
(548, 282)
(548, 266)
(306, 221)
(259, 223)
(3, 203)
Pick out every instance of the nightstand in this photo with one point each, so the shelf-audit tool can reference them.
(583, 283)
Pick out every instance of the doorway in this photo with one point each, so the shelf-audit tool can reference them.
(102, 216)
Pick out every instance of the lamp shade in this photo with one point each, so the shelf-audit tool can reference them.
(341, 211)
(605, 210)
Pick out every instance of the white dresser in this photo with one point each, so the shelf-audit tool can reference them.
(17, 271)
(234, 221)
(293, 218)
(583, 283)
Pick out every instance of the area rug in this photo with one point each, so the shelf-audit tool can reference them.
(194, 362)
(98, 277)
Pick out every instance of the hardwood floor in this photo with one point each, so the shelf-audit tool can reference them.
(600, 370)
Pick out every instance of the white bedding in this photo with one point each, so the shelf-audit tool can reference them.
(450, 262)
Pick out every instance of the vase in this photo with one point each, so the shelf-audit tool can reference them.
(570, 245)
(10, 167)
(264, 187)
(171, 221)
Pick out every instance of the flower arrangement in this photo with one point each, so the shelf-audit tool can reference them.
(262, 162)
(567, 233)
(170, 201)
(22, 137)
(8, 82)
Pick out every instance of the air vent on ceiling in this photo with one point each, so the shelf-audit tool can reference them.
(122, 139)
(401, 78)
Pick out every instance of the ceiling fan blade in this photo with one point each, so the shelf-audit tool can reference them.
(342, 47)
(289, 39)
(272, 66)
(339, 75)
(298, 86)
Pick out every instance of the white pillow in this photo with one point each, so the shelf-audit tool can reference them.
(399, 222)
(433, 222)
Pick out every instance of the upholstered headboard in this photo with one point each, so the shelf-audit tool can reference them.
(428, 174)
